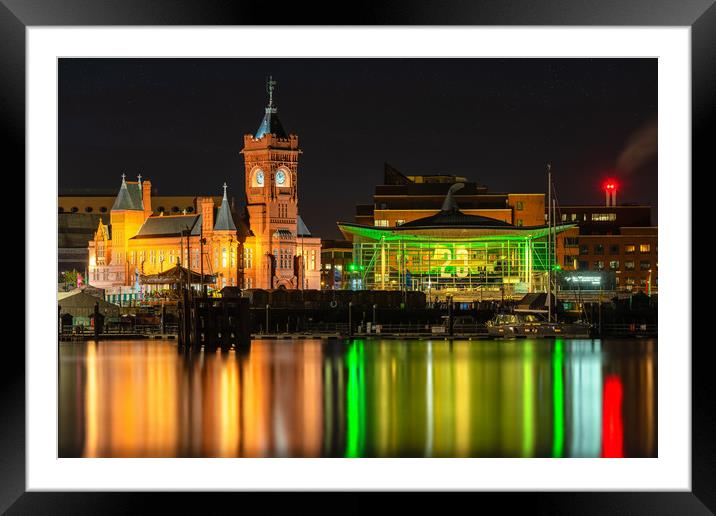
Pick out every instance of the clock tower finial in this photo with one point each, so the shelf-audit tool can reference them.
(270, 86)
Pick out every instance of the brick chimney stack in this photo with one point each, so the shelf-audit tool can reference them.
(147, 197)
(206, 209)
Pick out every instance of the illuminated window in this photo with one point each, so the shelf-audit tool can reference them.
(223, 257)
(152, 257)
(248, 257)
(629, 249)
(383, 223)
(629, 265)
(313, 259)
(564, 217)
(233, 257)
(399, 222)
(519, 222)
(614, 265)
(599, 265)
(604, 217)
(520, 206)
(644, 248)
(131, 257)
(574, 217)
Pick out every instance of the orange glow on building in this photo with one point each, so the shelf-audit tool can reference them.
(266, 246)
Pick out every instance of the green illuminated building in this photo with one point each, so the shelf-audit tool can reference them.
(451, 253)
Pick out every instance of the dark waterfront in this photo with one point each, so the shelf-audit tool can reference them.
(360, 398)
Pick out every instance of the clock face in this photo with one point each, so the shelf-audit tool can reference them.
(280, 177)
(259, 177)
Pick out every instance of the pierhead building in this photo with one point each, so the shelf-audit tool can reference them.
(266, 245)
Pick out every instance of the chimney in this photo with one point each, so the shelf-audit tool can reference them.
(206, 209)
(147, 197)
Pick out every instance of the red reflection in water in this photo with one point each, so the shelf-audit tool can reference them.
(612, 426)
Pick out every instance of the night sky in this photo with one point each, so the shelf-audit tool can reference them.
(180, 123)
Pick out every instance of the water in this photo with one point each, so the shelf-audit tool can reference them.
(360, 398)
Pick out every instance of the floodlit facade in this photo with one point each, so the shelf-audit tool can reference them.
(452, 253)
(267, 245)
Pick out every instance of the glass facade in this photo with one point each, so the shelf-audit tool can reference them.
(506, 265)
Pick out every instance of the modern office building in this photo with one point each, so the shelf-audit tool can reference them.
(614, 238)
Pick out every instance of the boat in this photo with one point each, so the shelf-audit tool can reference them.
(521, 324)
(513, 325)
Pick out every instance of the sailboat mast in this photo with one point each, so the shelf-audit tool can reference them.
(553, 286)
(549, 242)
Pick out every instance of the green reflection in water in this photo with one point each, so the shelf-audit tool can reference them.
(355, 400)
(558, 400)
(527, 401)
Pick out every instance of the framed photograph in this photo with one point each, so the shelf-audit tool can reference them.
(416, 253)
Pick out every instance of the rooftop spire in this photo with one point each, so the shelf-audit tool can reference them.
(224, 219)
(270, 123)
(124, 199)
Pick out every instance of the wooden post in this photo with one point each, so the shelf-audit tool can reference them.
(450, 316)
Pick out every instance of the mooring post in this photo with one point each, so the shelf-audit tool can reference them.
(267, 317)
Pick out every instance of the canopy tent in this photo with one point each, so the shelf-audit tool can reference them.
(176, 276)
(82, 304)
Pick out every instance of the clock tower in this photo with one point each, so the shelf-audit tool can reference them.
(271, 182)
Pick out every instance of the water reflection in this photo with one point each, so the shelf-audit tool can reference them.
(314, 398)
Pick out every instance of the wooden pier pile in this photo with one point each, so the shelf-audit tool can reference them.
(213, 322)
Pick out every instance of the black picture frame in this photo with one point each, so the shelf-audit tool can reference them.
(17, 15)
